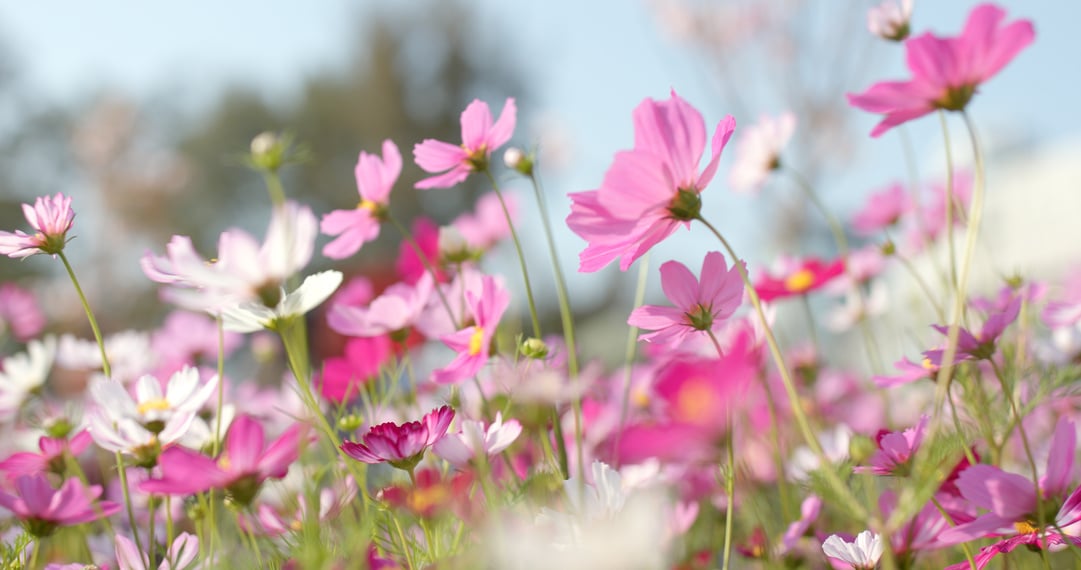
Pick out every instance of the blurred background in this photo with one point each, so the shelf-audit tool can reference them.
(141, 111)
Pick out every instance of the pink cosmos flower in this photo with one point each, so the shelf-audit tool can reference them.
(479, 138)
(979, 346)
(343, 377)
(409, 265)
(20, 313)
(182, 554)
(240, 470)
(402, 446)
(700, 306)
(799, 278)
(947, 71)
(1013, 502)
(1065, 311)
(474, 439)
(473, 343)
(51, 217)
(758, 151)
(895, 449)
(649, 191)
(486, 226)
(883, 209)
(908, 372)
(395, 310)
(929, 221)
(42, 509)
(51, 458)
(354, 228)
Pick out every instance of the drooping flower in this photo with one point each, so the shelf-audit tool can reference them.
(474, 439)
(946, 72)
(479, 138)
(402, 446)
(473, 342)
(649, 191)
(701, 306)
(42, 509)
(23, 374)
(860, 554)
(241, 469)
(355, 227)
(889, 20)
(51, 218)
(758, 151)
(798, 278)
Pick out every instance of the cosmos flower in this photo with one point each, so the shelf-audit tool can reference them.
(42, 509)
(461, 448)
(479, 138)
(181, 555)
(355, 227)
(51, 218)
(889, 20)
(798, 278)
(758, 151)
(861, 554)
(946, 72)
(402, 446)
(473, 342)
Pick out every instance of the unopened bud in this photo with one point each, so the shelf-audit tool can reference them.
(350, 422)
(534, 348)
(516, 159)
(889, 20)
(268, 151)
(452, 245)
(889, 248)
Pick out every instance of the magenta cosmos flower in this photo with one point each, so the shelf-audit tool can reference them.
(649, 191)
(480, 136)
(798, 279)
(42, 509)
(895, 449)
(240, 470)
(402, 446)
(699, 306)
(473, 343)
(947, 71)
(882, 210)
(51, 217)
(51, 458)
(375, 179)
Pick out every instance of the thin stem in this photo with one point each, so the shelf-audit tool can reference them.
(34, 554)
(274, 188)
(122, 473)
(716, 344)
(521, 255)
(834, 224)
(812, 329)
(89, 315)
(964, 545)
(632, 347)
(856, 508)
(215, 445)
(253, 545)
(949, 203)
(427, 266)
(729, 492)
(907, 264)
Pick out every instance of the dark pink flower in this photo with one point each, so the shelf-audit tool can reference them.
(404, 445)
(51, 217)
(343, 377)
(240, 470)
(479, 138)
(375, 179)
(700, 305)
(895, 449)
(947, 71)
(979, 346)
(649, 191)
(42, 509)
(800, 278)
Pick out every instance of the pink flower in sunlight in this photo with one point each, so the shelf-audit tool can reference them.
(51, 217)
(479, 138)
(42, 509)
(473, 343)
(1014, 502)
(20, 313)
(240, 469)
(895, 449)
(649, 191)
(474, 439)
(355, 227)
(799, 278)
(758, 151)
(882, 210)
(51, 458)
(700, 306)
(946, 72)
(404, 445)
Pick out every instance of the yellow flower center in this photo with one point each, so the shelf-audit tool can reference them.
(425, 498)
(1025, 527)
(223, 462)
(927, 364)
(366, 204)
(696, 401)
(799, 281)
(156, 405)
(476, 341)
(640, 398)
(296, 525)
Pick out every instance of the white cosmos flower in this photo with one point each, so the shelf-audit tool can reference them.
(460, 448)
(24, 373)
(758, 151)
(129, 353)
(253, 316)
(861, 554)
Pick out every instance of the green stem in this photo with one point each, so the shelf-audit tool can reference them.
(122, 473)
(274, 188)
(632, 347)
(89, 315)
(949, 203)
(521, 256)
(834, 224)
(855, 507)
(215, 445)
(729, 492)
(253, 545)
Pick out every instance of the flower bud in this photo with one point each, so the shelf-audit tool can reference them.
(534, 348)
(889, 20)
(268, 151)
(516, 159)
(350, 422)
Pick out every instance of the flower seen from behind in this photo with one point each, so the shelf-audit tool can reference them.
(51, 218)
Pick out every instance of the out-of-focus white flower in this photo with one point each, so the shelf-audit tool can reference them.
(253, 316)
(24, 373)
(758, 152)
(861, 554)
(835, 444)
(858, 306)
(889, 20)
(462, 447)
(129, 352)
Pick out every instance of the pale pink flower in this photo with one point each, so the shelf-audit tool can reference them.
(889, 20)
(404, 445)
(895, 449)
(51, 218)
(20, 312)
(649, 191)
(883, 209)
(461, 448)
(861, 554)
(395, 310)
(355, 227)
(700, 306)
(182, 554)
(758, 151)
(473, 343)
(51, 458)
(479, 138)
(42, 509)
(947, 71)
(487, 224)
